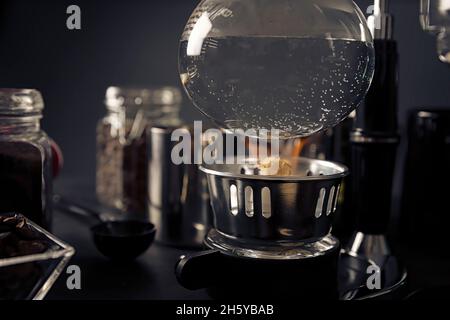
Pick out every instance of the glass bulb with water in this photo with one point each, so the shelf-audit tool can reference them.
(294, 66)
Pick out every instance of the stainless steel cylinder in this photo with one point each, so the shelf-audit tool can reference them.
(178, 195)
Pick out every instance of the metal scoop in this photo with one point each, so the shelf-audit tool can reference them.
(119, 240)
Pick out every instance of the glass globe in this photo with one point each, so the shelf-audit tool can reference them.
(297, 66)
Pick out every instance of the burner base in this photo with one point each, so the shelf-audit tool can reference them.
(229, 277)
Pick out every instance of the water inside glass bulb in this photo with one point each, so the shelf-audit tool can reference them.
(293, 66)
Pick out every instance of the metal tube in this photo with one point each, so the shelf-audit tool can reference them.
(381, 6)
(381, 20)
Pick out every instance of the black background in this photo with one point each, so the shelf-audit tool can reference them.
(135, 42)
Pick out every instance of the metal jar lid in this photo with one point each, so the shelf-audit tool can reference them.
(119, 97)
(20, 102)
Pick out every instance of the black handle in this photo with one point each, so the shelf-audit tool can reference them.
(377, 115)
(200, 270)
(373, 167)
(374, 144)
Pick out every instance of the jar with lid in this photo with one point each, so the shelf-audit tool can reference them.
(122, 155)
(25, 156)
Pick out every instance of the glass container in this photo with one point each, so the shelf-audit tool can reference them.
(294, 66)
(30, 275)
(25, 156)
(122, 143)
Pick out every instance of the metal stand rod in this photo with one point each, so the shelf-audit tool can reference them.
(374, 142)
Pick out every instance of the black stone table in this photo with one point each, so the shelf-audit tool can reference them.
(151, 276)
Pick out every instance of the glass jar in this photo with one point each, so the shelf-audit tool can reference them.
(122, 156)
(25, 156)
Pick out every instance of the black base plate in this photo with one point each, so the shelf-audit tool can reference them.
(332, 276)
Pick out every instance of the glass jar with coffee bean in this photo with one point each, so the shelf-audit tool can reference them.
(25, 156)
(122, 157)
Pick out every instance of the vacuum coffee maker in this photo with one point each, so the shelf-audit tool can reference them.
(298, 67)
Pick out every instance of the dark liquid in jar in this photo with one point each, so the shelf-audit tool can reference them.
(25, 182)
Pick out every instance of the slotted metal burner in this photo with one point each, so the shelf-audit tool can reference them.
(285, 212)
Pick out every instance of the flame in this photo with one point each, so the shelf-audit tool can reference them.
(298, 147)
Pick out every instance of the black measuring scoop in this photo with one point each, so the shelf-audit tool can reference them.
(119, 239)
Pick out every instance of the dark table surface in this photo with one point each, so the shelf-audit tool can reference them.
(151, 276)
